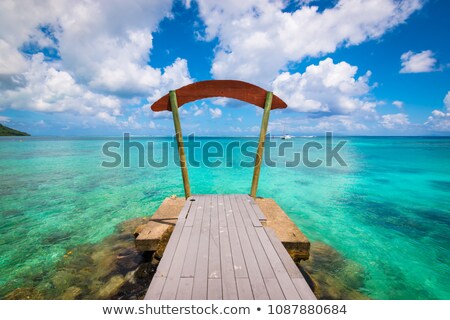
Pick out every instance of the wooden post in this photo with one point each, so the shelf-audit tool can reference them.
(180, 143)
(262, 138)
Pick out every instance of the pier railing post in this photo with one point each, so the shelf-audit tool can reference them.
(262, 139)
(180, 143)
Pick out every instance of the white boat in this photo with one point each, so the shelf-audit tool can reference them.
(286, 137)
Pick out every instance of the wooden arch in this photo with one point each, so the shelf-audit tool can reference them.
(234, 89)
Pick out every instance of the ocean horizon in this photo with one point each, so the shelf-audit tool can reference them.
(384, 217)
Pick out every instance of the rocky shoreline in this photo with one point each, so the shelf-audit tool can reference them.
(110, 269)
(114, 269)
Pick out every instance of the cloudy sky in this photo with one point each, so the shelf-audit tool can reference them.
(354, 67)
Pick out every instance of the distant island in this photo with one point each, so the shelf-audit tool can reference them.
(6, 131)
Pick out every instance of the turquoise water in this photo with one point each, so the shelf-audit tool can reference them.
(387, 210)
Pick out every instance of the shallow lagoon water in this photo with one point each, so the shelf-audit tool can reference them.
(386, 212)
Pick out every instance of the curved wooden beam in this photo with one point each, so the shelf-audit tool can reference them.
(234, 89)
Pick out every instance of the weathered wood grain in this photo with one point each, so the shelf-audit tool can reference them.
(194, 220)
(201, 271)
(240, 269)
(179, 136)
(262, 138)
(219, 250)
(214, 270)
(219, 88)
(184, 291)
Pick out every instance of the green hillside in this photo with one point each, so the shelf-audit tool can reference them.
(5, 131)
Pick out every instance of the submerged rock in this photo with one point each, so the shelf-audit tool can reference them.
(333, 276)
(25, 294)
(111, 287)
(110, 269)
(62, 280)
(56, 237)
(71, 293)
(114, 269)
(128, 259)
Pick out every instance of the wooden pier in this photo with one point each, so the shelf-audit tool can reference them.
(219, 249)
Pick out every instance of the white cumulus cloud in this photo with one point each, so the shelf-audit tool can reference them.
(447, 101)
(418, 62)
(48, 89)
(257, 38)
(107, 43)
(398, 104)
(215, 113)
(196, 110)
(440, 120)
(326, 88)
(334, 123)
(395, 121)
(104, 49)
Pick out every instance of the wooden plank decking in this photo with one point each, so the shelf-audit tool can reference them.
(220, 250)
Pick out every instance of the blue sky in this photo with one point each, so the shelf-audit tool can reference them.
(354, 67)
